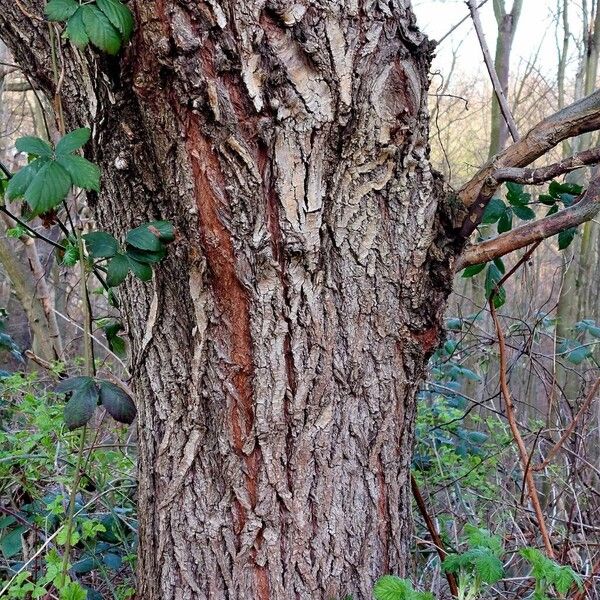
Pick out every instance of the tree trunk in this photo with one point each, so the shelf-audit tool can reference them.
(277, 352)
(507, 26)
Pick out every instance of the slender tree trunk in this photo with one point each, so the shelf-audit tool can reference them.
(277, 352)
(507, 26)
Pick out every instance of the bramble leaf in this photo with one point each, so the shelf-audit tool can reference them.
(119, 15)
(60, 10)
(100, 244)
(100, 30)
(72, 141)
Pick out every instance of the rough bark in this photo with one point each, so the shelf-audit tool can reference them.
(277, 352)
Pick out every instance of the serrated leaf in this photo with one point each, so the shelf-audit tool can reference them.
(100, 30)
(564, 579)
(478, 537)
(144, 238)
(75, 30)
(72, 384)
(524, 212)
(48, 188)
(390, 587)
(487, 565)
(566, 237)
(473, 270)
(70, 256)
(73, 591)
(34, 145)
(80, 408)
(452, 563)
(493, 211)
(60, 10)
(73, 141)
(142, 271)
(117, 402)
(84, 174)
(117, 270)
(119, 15)
(100, 244)
(21, 180)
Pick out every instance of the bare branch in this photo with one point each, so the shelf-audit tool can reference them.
(489, 63)
(580, 117)
(584, 210)
(543, 174)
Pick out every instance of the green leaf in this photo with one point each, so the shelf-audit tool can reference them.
(117, 402)
(84, 174)
(60, 10)
(71, 256)
(73, 141)
(140, 270)
(119, 15)
(505, 222)
(100, 244)
(100, 30)
(547, 199)
(492, 277)
(80, 408)
(579, 354)
(390, 587)
(566, 237)
(21, 180)
(49, 187)
(493, 211)
(473, 270)
(146, 256)
(111, 328)
(556, 189)
(117, 270)
(34, 145)
(72, 384)
(145, 238)
(73, 591)
(452, 563)
(524, 212)
(553, 210)
(163, 229)
(486, 564)
(11, 544)
(564, 579)
(481, 538)
(75, 30)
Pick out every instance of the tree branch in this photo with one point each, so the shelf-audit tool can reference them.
(580, 117)
(542, 174)
(489, 63)
(584, 210)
